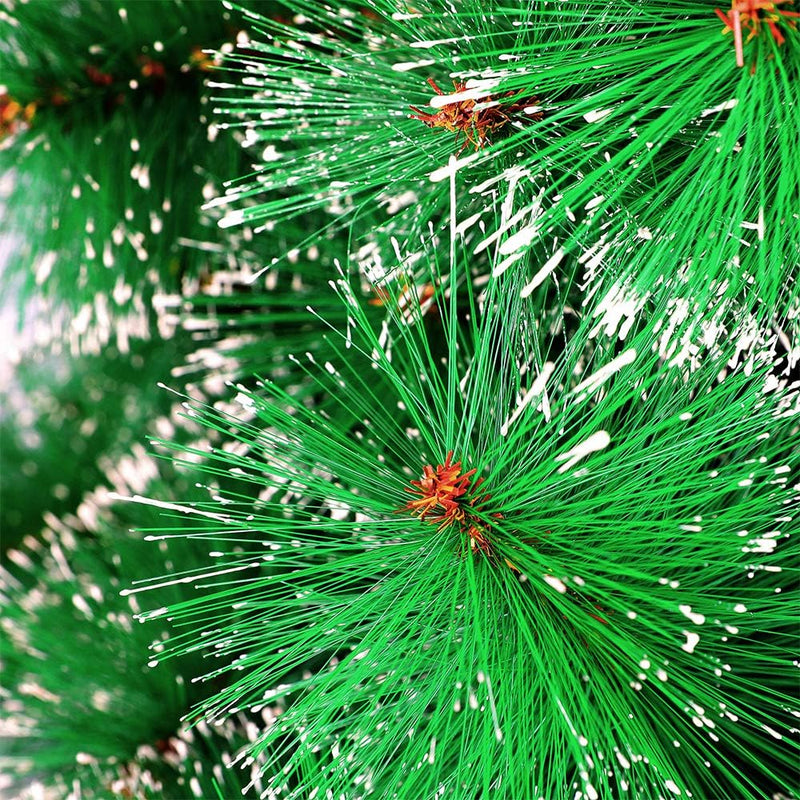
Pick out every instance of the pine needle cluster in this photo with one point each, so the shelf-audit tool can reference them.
(617, 122)
(601, 636)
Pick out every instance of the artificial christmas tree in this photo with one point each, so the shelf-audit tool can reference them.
(480, 471)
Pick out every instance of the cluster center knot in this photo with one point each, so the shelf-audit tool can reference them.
(447, 497)
(748, 15)
(476, 121)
